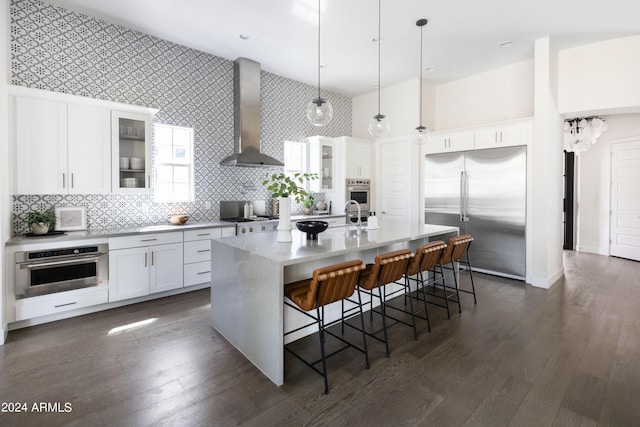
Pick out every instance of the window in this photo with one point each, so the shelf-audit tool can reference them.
(174, 163)
(294, 157)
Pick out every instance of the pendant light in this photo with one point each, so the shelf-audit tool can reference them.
(319, 110)
(379, 125)
(421, 133)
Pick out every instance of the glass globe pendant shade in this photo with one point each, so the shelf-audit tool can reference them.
(319, 112)
(379, 125)
(420, 135)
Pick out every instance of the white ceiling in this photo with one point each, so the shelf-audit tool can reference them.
(461, 38)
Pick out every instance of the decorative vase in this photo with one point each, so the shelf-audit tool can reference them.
(284, 222)
(307, 211)
(39, 228)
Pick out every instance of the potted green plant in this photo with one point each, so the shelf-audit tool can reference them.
(284, 188)
(40, 222)
(282, 185)
(308, 204)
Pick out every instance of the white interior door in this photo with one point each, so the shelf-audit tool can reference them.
(394, 182)
(625, 200)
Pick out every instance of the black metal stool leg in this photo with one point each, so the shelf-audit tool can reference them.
(424, 295)
(455, 280)
(364, 334)
(384, 322)
(413, 315)
(324, 363)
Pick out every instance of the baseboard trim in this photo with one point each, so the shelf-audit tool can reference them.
(546, 283)
(593, 250)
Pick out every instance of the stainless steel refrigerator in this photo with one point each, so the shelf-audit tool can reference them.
(484, 193)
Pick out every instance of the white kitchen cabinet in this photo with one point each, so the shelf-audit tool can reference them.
(131, 143)
(503, 135)
(197, 253)
(61, 148)
(143, 264)
(322, 161)
(128, 273)
(44, 305)
(443, 142)
(358, 157)
(166, 269)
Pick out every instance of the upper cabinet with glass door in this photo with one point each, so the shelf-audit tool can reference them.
(131, 152)
(322, 160)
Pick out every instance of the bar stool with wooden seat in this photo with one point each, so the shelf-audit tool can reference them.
(427, 260)
(329, 284)
(457, 251)
(388, 268)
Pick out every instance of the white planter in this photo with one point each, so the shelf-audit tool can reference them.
(39, 228)
(284, 223)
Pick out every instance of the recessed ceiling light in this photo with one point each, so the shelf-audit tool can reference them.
(245, 36)
(428, 69)
(506, 44)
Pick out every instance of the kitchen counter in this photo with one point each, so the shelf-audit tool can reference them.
(249, 273)
(105, 233)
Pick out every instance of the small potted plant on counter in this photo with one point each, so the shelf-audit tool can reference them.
(41, 222)
(285, 187)
(308, 204)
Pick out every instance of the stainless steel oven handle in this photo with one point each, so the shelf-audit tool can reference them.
(77, 260)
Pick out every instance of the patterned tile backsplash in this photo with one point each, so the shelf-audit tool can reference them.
(63, 51)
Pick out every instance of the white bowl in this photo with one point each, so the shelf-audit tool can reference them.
(136, 163)
(124, 163)
(129, 182)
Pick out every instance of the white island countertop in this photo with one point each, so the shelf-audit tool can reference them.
(331, 242)
(249, 273)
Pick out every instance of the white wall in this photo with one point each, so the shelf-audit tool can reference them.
(600, 76)
(5, 200)
(501, 94)
(400, 103)
(594, 177)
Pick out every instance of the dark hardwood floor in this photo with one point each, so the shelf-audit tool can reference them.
(522, 356)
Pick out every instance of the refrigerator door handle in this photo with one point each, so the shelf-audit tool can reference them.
(464, 196)
(462, 193)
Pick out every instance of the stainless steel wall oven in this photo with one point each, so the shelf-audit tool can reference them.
(55, 270)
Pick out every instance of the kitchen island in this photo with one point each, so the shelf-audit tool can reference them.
(249, 273)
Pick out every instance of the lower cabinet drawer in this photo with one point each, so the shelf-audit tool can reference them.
(196, 273)
(44, 305)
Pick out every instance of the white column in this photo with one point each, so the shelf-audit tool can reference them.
(545, 207)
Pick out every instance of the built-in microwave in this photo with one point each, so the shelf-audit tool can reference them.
(55, 270)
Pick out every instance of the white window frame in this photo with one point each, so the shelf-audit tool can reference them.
(173, 196)
(290, 145)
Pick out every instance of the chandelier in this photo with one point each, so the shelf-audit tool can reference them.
(581, 133)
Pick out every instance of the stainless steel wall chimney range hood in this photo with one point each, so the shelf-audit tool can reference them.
(246, 117)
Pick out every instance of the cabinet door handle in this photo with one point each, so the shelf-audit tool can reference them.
(63, 305)
(205, 272)
(148, 240)
(72, 181)
(205, 250)
(204, 234)
(64, 180)
(152, 257)
(145, 259)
